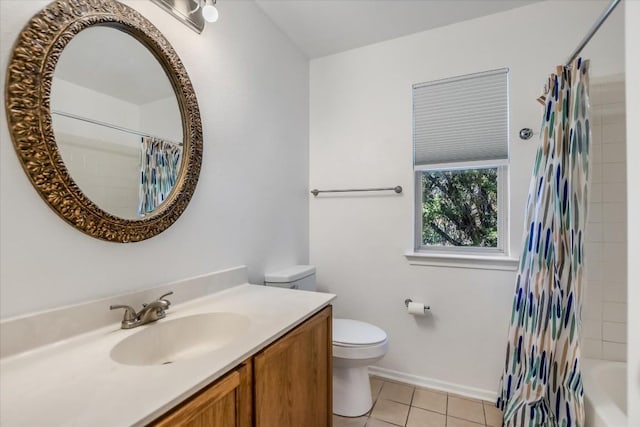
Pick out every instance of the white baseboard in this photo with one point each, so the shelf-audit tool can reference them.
(475, 393)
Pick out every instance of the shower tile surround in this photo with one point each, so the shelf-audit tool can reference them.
(604, 313)
(397, 404)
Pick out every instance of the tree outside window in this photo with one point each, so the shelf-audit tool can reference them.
(460, 207)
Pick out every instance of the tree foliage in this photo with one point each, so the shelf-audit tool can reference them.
(460, 208)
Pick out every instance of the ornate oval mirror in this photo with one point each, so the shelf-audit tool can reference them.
(104, 119)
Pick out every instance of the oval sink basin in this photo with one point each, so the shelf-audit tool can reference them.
(169, 341)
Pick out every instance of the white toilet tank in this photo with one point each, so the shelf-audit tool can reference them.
(296, 277)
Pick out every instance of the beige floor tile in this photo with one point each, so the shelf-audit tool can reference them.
(457, 422)
(466, 409)
(348, 421)
(430, 400)
(421, 418)
(391, 412)
(401, 393)
(372, 422)
(492, 414)
(376, 386)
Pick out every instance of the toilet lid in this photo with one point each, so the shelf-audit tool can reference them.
(354, 332)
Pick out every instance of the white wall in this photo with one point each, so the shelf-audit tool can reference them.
(633, 178)
(162, 118)
(360, 136)
(71, 98)
(250, 206)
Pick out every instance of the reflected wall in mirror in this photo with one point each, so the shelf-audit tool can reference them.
(104, 119)
(115, 119)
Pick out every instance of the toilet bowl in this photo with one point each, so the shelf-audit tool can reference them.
(356, 345)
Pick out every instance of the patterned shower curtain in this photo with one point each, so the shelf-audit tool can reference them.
(158, 172)
(542, 383)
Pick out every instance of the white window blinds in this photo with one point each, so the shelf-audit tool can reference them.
(461, 119)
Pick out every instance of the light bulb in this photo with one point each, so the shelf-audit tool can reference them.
(210, 13)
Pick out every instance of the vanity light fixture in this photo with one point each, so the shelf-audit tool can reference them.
(208, 7)
(209, 11)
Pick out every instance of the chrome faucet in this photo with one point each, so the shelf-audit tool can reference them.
(151, 312)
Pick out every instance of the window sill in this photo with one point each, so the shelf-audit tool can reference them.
(480, 262)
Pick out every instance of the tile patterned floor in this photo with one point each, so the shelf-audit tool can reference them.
(397, 404)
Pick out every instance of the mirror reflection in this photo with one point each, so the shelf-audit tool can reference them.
(117, 122)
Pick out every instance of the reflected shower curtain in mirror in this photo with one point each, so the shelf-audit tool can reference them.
(158, 172)
(542, 383)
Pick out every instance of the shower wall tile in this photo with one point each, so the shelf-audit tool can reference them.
(605, 290)
(614, 312)
(594, 273)
(614, 173)
(614, 332)
(592, 348)
(592, 329)
(607, 93)
(615, 251)
(614, 232)
(595, 212)
(614, 192)
(614, 114)
(595, 195)
(594, 232)
(596, 154)
(611, 273)
(593, 254)
(592, 303)
(615, 292)
(595, 174)
(614, 212)
(613, 152)
(614, 133)
(614, 351)
(613, 265)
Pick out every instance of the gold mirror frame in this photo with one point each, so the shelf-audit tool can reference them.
(27, 97)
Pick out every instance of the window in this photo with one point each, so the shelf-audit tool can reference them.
(460, 137)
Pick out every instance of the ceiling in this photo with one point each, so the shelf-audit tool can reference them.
(325, 27)
(122, 67)
(112, 62)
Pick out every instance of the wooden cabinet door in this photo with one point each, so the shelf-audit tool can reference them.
(292, 377)
(226, 403)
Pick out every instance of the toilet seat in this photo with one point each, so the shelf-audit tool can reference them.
(353, 339)
(361, 351)
(348, 332)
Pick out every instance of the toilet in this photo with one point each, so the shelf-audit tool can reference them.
(356, 345)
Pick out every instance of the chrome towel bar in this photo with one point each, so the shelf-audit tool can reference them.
(397, 189)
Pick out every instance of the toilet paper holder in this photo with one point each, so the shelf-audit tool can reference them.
(408, 300)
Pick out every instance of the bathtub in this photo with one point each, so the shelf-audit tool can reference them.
(605, 393)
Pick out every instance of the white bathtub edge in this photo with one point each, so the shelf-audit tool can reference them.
(600, 408)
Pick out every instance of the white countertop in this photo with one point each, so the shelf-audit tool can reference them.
(75, 382)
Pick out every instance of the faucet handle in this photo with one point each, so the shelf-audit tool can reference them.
(129, 312)
(162, 298)
(166, 295)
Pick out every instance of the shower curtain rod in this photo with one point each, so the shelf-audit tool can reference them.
(594, 29)
(110, 126)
